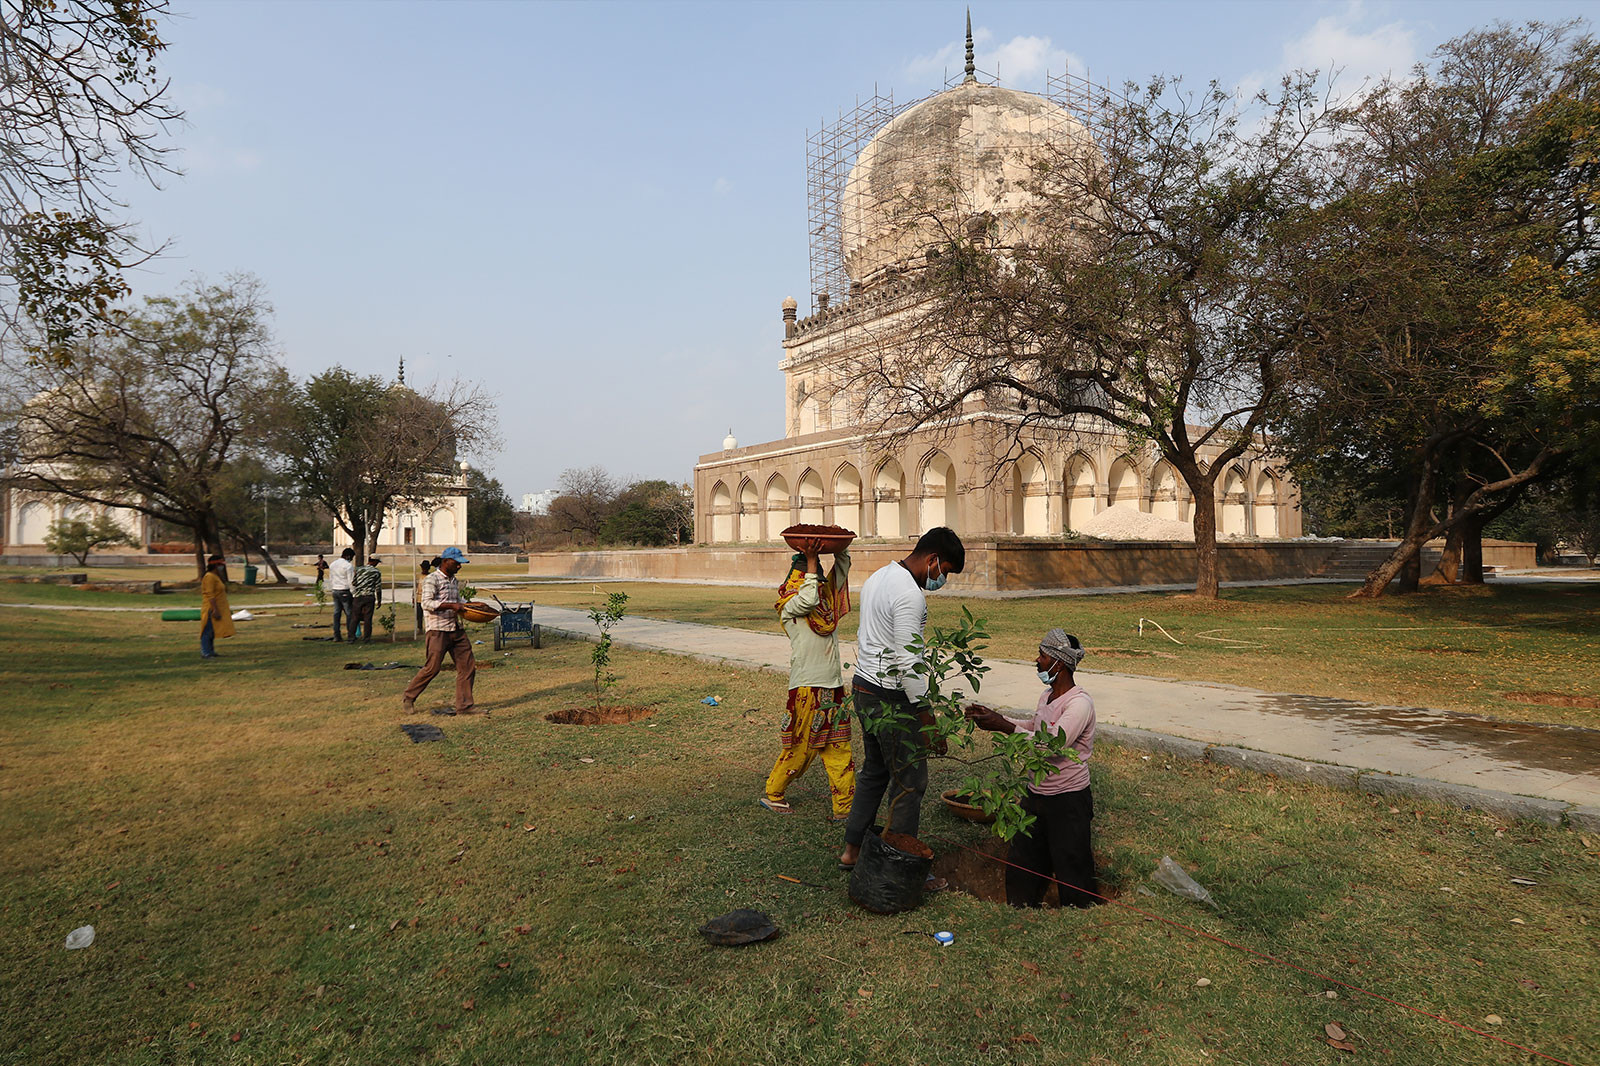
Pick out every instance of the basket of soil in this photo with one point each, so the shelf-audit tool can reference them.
(835, 539)
(479, 612)
(963, 805)
(890, 874)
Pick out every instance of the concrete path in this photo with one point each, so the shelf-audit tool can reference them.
(1363, 742)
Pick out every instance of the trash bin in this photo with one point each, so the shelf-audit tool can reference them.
(249, 574)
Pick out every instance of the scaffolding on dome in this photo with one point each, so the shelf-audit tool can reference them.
(832, 150)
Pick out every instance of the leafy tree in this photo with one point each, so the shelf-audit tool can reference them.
(654, 513)
(356, 444)
(77, 538)
(155, 415)
(1456, 335)
(1147, 296)
(489, 510)
(85, 105)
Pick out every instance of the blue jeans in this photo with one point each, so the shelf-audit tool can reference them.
(895, 761)
(207, 642)
(344, 607)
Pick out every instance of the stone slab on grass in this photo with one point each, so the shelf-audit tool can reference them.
(1505, 804)
(1147, 740)
(1587, 818)
(1286, 767)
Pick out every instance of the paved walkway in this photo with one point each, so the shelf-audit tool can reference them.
(1556, 763)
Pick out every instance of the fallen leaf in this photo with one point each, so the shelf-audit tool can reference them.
(864, 993)
(395, 924)
(235, 1037)
(1514, 880)
(524, 930)
(1203, 982)
(1024, 1038)
(527, 828)
(112, 885)
(1518, 921)
(1525, 983)
(1334, 1031)
(1493, 1019)
(1342, 1045)
(468, 1004)
(1031, 967)
(586, 760)
(502, 965)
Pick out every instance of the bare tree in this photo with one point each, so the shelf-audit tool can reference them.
(584, 502)
(84, 104)
(150, 417)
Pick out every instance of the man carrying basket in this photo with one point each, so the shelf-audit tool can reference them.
(442, 606)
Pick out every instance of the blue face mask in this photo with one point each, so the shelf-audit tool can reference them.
(1046, 677)
(934, 584)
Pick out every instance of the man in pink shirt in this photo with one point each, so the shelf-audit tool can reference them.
(1057, 843)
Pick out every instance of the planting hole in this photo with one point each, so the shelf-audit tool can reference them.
(604, 716)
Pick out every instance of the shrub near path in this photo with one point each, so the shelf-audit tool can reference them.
(276, 874)
(1516, 652)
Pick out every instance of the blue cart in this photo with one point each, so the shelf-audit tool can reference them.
(515, 623)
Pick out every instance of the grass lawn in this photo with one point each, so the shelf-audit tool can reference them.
(1472, 650)
(275, 874)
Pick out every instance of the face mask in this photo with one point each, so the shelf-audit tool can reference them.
(1046, 677)
(934, 584)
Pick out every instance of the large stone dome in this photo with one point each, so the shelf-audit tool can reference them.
(963, 152)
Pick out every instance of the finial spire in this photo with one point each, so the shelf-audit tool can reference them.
(402, 370)
(972, 70)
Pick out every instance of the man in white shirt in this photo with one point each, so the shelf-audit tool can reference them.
(440, 598)
(341, 575)
(894, 609)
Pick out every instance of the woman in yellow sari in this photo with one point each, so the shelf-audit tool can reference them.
(216, 620)
(815, 722)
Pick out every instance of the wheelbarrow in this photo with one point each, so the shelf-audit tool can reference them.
(515, 623)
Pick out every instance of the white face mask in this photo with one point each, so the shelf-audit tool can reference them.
(934, 584)
(1047, 677)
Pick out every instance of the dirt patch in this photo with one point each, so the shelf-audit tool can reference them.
(909, 845)
(604, 716)
(976, 874)
(1554, 699)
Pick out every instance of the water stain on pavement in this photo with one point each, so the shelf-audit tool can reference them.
(1534, 746)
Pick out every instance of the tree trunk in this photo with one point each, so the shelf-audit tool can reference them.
(277, 575)
(1419, 527)
(1472, 554)
(1411, 572)
(199, 551)
(1206, 581)
(1449, 570)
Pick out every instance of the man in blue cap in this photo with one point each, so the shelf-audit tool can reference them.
(441, 603)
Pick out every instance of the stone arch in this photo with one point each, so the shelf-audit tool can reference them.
(778, 505)
(1078, 479)
(443, 527)
(33, 523)
(749, 511)
(1266, 504)
(1232, 521)
(889, 499)
(1030, 501)
(810, 493)
(1123, 488)
(721, 514)
(847, 497)
(1164, 491)
(939, 488)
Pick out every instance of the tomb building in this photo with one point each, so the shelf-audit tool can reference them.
(993, 472)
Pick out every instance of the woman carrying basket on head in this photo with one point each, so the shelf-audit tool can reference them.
(815, 722)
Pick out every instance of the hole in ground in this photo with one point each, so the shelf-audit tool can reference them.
(603, 716)
(985, 878)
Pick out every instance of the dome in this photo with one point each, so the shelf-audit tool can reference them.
(730, 442)
(986, 138)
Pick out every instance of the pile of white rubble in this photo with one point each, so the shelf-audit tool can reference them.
(1129, 523)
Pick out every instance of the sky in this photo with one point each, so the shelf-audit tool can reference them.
(595, 210)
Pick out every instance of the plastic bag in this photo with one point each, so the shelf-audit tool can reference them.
(887, 880)
(1172, 877)
(80, 937)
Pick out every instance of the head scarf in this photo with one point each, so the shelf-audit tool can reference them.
(833, 603)
(1063, 648)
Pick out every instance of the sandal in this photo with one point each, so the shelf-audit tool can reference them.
(935, 884)
(780, 807)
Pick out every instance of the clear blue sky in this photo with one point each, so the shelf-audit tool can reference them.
(595, 209)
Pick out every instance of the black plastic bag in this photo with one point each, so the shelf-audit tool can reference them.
(887, 880)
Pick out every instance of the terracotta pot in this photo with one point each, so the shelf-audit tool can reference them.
(479, 612)
(835, 539)
(970, 811)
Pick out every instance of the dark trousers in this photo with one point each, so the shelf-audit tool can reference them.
(1055, 845)
(895, 760)
(344, 607)
(363, 617)
(208, 648)
(458, 646)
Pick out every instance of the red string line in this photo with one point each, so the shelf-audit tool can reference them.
(1258, 954)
